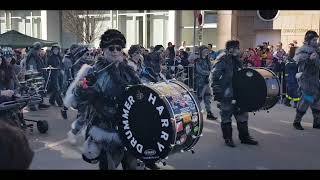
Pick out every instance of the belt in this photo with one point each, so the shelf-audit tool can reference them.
(293, 99)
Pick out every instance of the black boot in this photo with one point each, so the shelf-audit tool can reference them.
(244, 135)
(152, 166)
(43, 106)
(211, 116)
(297, 120)
(298, 126)
(316, 118)
(295, 104)
(227, 134)
(64, 114)
(286, 102)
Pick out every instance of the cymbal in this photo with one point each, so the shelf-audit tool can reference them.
(50, 68)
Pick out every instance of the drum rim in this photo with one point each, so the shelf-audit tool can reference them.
(279, 84)
(199, 110)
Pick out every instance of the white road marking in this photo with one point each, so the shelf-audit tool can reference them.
(51, 145)
(250, 127)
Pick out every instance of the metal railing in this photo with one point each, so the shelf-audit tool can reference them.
(184, 74)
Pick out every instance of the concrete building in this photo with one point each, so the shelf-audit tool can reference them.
(146, 27)
(152, 27)
(252, 30)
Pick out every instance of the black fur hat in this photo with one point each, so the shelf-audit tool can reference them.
(232, 44)
(112, 36)
(133, 49)
(310, 35)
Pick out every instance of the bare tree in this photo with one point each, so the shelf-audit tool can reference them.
(85, 25)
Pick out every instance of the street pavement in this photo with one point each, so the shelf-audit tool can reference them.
(280, 145)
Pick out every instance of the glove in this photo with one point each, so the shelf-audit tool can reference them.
(7, 93)
(308, 98)
(91, 79)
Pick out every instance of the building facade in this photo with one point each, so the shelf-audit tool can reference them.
(146, 27)
(152, 27)
(251, 30)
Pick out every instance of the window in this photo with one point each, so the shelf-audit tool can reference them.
(2, 22)
(210, 17)
(157, 29)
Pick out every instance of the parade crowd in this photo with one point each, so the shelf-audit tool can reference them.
(201, 69)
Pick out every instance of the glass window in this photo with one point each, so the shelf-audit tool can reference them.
(157, 30)
(36, 28)
(36, 13)
(28, 27)
(2, 22)
(128, 11)
(21, 14)
(17, 23)
(210, 17)
(126, 26)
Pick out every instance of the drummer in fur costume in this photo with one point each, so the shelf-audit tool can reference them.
(227, 65)
(308, 62)
(102, 89)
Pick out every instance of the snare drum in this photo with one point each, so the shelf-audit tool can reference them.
(159, 119)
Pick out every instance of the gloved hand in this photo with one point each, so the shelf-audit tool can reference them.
(7, 93)
(309, 98)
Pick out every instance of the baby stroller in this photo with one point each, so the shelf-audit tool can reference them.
(11, 112)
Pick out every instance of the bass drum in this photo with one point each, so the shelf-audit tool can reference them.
(256, 89)
(159, 119)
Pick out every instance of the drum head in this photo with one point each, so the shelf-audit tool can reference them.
(145, 127)
(249, 90)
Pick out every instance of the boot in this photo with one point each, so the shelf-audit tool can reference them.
(43, 106)
(316, 123)
(295, 104)
(210, 116)
(316, 118)
(227, 134)
(64, 114)
(52, 103)
(286, 102)
(297, 120)
(152, 166)
(244, 135)
(32, 108)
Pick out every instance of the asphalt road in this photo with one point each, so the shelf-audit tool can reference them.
(280, 145)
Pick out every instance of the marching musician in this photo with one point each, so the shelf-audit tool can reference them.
(102, 89)
(5, 91)
(35, 63)
(55, 81)
(228, 63)
(291, 70)
(135, 59)
(308, 62)
(8, 67)
(68, 75)
(202, 72)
